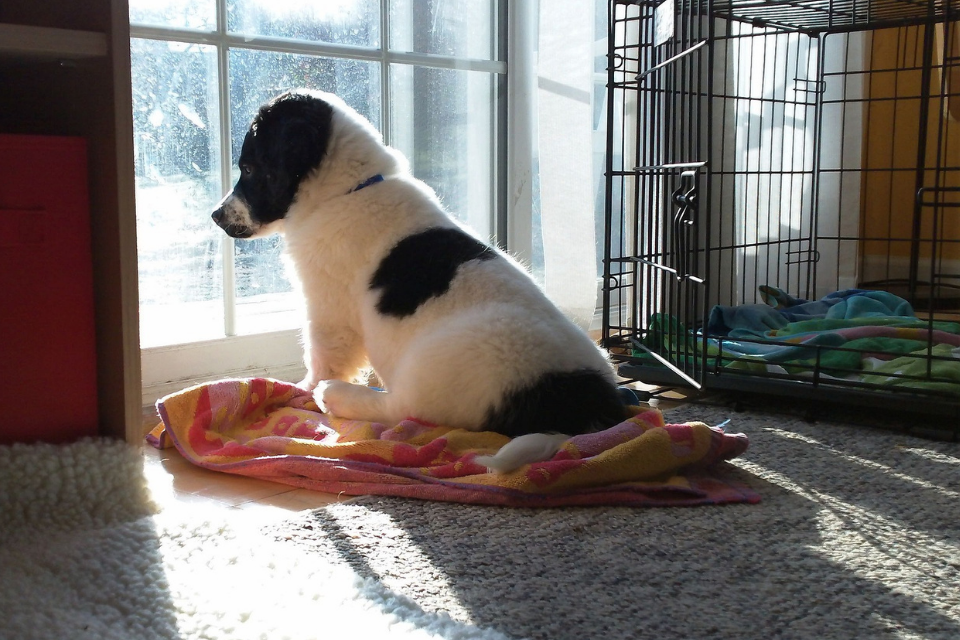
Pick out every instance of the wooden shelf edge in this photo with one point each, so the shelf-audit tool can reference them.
(45, 42)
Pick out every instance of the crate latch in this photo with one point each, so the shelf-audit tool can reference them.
(685, 198)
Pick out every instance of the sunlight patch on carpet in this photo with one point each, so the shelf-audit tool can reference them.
(878, 549)
(890, 471)
(403, 546)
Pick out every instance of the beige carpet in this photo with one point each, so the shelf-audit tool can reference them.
(82, 556)
(858, 536)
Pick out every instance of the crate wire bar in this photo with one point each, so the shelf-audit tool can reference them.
(766, 154)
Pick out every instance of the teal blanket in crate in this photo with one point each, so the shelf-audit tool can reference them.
(854, 335)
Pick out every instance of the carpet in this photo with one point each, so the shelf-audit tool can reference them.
(85, 556)
(857, 536)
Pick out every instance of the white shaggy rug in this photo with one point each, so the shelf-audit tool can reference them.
(858, 536)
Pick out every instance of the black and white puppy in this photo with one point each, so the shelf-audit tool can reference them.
(457, 332)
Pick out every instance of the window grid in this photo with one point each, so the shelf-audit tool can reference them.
(224, 42)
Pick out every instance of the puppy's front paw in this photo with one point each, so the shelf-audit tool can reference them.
(307, 384)
(326, 393)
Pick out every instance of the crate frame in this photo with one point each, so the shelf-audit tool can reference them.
(668, 163)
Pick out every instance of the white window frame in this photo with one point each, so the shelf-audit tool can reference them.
(167, 369)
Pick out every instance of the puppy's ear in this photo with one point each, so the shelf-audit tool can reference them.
(305, 136)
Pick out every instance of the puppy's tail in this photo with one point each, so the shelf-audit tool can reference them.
(532, 447)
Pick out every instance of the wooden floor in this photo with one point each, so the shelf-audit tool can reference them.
(177, 484)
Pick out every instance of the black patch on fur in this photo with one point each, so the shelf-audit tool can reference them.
(286, 141)
(571, 403)
(422, 266)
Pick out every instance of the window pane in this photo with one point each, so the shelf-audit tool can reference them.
(353, 22)
(443, 121)
(263, 299)
(176, 137)
(461, 28)
(190, 14)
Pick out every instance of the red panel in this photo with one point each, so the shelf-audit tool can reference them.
(48, 378)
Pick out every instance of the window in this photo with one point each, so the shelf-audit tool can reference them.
(427, 73)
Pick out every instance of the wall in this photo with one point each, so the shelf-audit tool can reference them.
(893, 113)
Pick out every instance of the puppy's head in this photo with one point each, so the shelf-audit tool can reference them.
(286, 142)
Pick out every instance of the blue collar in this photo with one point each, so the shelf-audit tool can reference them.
(366, 183)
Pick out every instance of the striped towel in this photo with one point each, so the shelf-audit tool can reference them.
(274, 431)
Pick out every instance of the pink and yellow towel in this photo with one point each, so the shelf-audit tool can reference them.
(274, 431)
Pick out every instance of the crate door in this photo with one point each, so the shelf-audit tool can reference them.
(669, 272)
(660, 97)
(675, 141)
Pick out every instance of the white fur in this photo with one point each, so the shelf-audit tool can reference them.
(522, 450)
(493, 331)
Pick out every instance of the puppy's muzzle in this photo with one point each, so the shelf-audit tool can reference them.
(218, 216)
(228, 218)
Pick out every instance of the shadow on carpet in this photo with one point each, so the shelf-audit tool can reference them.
(857, 536)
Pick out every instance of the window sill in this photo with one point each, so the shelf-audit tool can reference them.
(269, 355)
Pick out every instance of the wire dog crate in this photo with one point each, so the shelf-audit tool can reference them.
(783, 198)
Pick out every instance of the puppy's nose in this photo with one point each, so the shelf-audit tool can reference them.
(218, 215)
